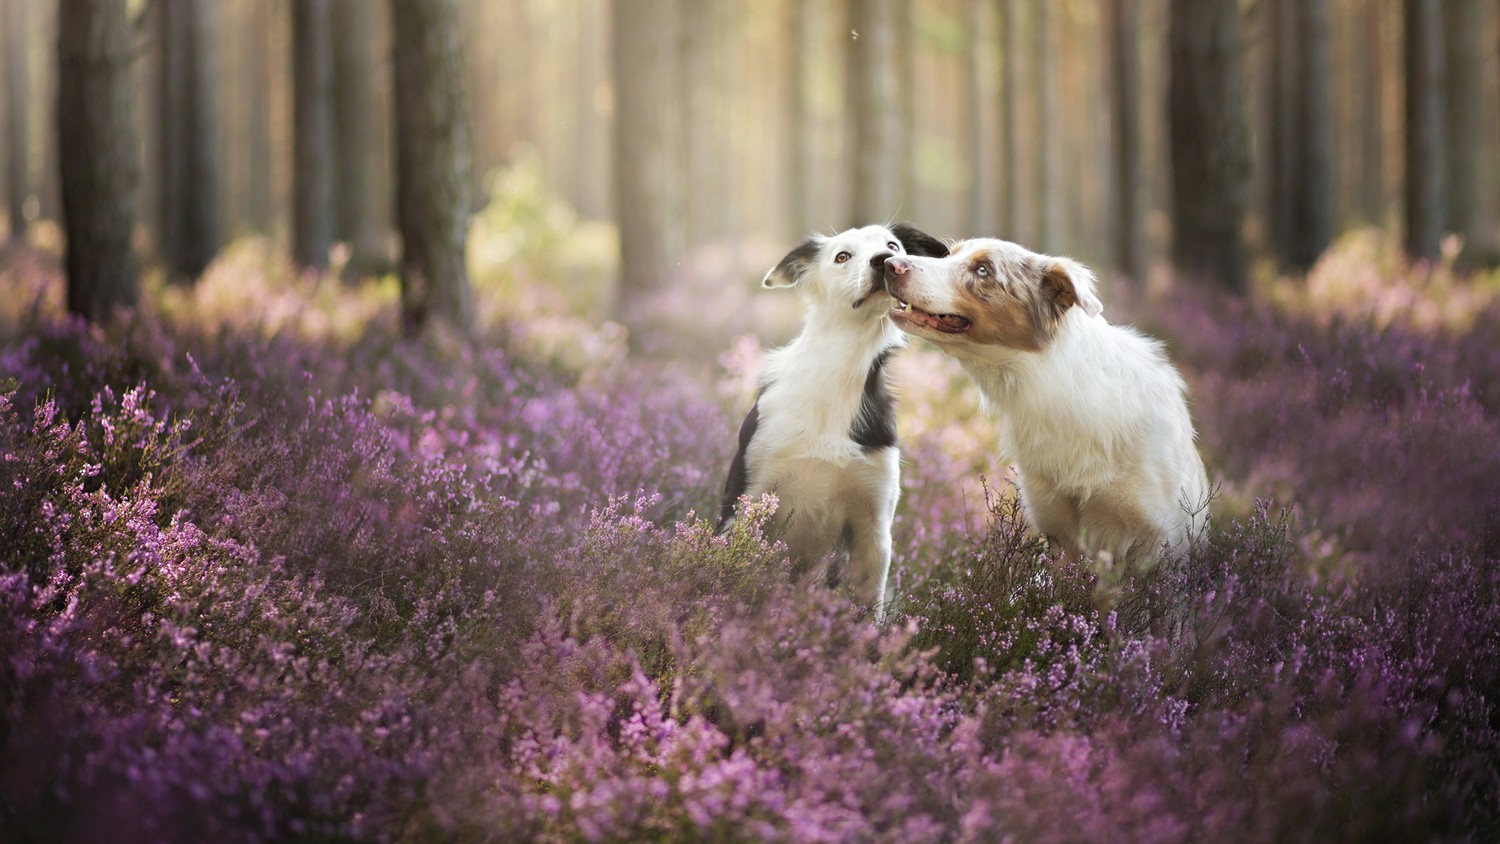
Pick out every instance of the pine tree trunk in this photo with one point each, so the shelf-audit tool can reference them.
(17, 123)
(1425, 142)
(647, 145)
(978, 196)
(432, 164)
(877, 168)
(1371, 126)
(1124, 79)
(1043, 54)
(97, 155)
(796, 136)
(356, 219)
(1310, 222)
(312, 132)
(188, 199)
(1208, 137)
(1010, 41)
(1464, 63)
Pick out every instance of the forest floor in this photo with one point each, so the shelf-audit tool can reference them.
(270, 571)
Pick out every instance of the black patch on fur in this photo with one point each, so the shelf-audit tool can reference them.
(739, 478)
(917, 242)
(796, 263)
(875, 424)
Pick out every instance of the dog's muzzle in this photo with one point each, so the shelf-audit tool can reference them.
(877, 277)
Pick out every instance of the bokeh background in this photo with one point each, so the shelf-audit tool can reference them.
(369, 370)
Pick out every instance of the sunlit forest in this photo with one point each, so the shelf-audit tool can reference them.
(371, 371)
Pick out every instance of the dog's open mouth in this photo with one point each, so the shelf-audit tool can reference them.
(946, 323)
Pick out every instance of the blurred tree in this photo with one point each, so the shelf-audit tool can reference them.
(188, 201)
(1043, 55)
(1208, 139)
(17, 138)
(700, 87)
(97, 155)
(312, 132)
(647, 144)
(1009, 39)
(1425, 142)
(433, 164)
(877, 171)
(1124, 79)
(1308, 135)
(1463, 24)
(357, 166)
(794, 119)
(975, 69)
(1370, 101)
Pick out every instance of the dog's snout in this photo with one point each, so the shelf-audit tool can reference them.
(898, 265)
(878, 262)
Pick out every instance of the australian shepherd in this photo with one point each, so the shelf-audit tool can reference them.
(1093, 415)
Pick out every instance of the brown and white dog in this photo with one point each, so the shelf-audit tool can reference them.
(1094, 416)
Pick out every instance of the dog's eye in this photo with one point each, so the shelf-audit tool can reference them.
(893, 245)
(842, 257)
(983, 271)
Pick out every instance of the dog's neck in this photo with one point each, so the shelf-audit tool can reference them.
(812, 388)
(1008, 377)
(833, 343)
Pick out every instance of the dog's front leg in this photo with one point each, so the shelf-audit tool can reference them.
(869, 560)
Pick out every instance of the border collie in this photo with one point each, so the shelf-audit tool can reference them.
(822, 433)
(1093, 415)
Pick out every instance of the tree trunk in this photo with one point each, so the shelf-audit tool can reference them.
(1371, 126)
(97, 155)
(312, 132)
(1310, 206)
(701, 90)
(17, 124)
(1425, 143)
(647, 144)
(1280, 65)
(1010, 41)
(978, 197)
(188, 202)
(1122, 33)
(1043, 54)
(260, 185)
(356, 218)
(1464, 62)
(877, 171)
(432, 164)
(796, 136)
(1208, 138)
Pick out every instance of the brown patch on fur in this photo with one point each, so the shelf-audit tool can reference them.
(1057, 291)
(1004, 318)
(1021, 312)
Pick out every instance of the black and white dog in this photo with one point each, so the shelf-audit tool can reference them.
(822, 433)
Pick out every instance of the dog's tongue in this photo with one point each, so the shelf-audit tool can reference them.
(948, 323)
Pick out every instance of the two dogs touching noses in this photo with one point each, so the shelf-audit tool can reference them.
(1093, 416)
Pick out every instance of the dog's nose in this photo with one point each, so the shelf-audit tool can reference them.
(878, 262)
(898, 264)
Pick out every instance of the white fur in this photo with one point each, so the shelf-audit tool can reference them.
(1096, 421)
(829, 488)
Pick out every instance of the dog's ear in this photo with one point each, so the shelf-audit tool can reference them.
(790, 271)
(918, 242)
(1066, 283)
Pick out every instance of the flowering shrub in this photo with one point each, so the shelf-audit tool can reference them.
(270, 579)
